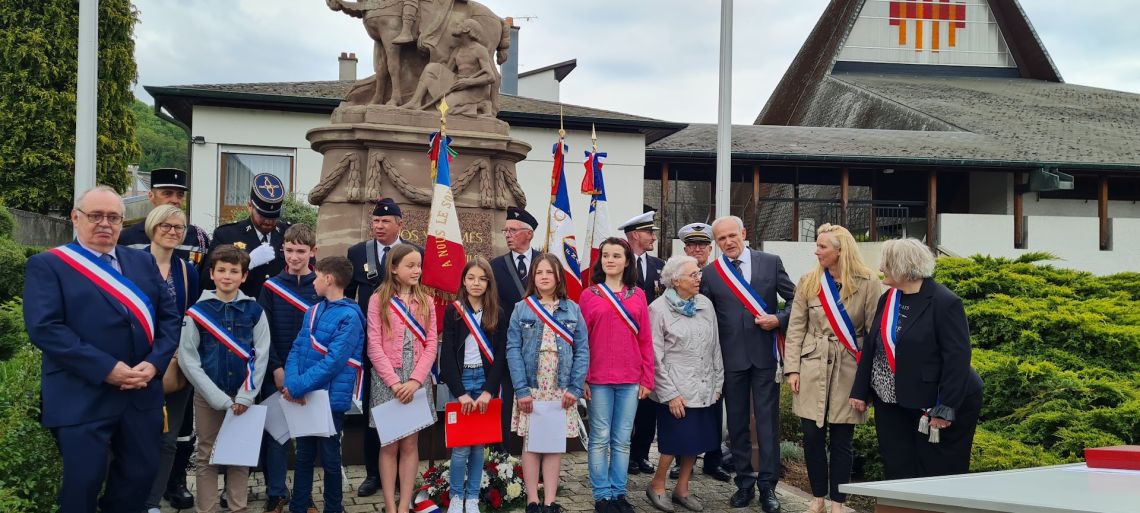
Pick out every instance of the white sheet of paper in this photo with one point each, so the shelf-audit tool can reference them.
(239, 439)
(275, 423)
(546, 431)
(395, 420)
(314, 418)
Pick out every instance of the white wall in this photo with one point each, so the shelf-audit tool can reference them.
(251, 131)
(1076, 240)
(624, 173)
(540, 86)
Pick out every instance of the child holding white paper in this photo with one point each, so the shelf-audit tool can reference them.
(472, 365)
(223, 352)
(325, 356)
(547, 353)
(402, 348)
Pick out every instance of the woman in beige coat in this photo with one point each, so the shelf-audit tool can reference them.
(833, 308)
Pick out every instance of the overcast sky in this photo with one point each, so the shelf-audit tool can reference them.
(654, 58)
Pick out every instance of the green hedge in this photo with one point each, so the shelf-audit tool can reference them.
(7, 223)
(30, 466)
(12, 262)
(13, 337)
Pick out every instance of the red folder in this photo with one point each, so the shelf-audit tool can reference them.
(474, 428)
(1125, 457)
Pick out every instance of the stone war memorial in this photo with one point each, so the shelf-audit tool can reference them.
(375, 145)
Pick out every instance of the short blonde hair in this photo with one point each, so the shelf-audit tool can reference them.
(672, 270)
(907, 260)
(158, 215)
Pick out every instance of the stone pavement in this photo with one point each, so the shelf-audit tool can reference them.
(574, 494)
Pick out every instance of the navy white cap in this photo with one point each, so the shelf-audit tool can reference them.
(267, 193)
(519, 214)
(387, 207)
(639, 222)
(695, 232)
(168, 178)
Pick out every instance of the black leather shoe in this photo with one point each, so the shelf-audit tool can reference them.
(742, 498)
(276, 504)
(179, 497)
(222, 503)
(717, 474)
(633, 468)
(768, 501)
(727, 465)
(369, 486)
(674, 472)
(644, 466)
(535, 507)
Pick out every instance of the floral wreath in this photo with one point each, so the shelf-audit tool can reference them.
(501, 487)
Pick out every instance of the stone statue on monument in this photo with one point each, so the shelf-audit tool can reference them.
(465, 81)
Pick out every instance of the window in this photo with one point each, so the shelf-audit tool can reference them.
(237, 172)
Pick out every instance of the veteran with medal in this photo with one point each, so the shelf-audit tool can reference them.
(262, 235)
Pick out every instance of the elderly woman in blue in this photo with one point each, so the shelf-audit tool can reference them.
(547, 353)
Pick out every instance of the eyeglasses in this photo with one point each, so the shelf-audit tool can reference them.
(512, 231)
(696, 275)
(176, 228)
(98, 217)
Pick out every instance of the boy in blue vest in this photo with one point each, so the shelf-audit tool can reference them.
(223, 351)
(325, 355)
(285, 298)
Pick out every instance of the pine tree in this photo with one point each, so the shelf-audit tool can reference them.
(38, 72)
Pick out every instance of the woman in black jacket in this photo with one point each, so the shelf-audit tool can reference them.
(916, 367)
(473, 361)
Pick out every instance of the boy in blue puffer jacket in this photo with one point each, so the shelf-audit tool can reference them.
(325, 355)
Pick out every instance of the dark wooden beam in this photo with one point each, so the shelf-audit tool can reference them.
(665, 249)
(1102, 212)
(874, 217)
(844, 182)
(796, 206)
(755, 217)
(1018, 210)
(931, 208)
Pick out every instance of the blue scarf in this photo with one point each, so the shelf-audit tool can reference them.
(686, 307)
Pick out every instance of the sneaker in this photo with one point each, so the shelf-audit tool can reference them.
(554, 507)
(603, 506)
(456, 505)
(535, 507)
(471, 506)
(621, 505)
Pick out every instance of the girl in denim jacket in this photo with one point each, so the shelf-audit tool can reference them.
(547, 363)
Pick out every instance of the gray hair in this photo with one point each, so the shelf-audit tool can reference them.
(672, 270)
(907, 260)
(99, 188)
(158, 215)
(725, 219)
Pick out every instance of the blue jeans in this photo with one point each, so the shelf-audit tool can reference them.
(307, 447)
(467, 462)
(276, 466)
(611, 408)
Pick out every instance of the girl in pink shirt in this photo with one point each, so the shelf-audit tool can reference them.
(402, 347)
(621, 369)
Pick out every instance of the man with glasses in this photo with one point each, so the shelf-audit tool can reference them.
(168, 186)
(511, 273)
(108, 326)
(262, 235)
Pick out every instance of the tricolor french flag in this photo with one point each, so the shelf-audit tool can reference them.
(444, 256)
(598, 224)
(560, 238)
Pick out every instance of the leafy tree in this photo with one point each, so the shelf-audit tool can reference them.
(163, 143)
(38, 72)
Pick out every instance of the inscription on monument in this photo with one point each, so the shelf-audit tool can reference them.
(477, 227)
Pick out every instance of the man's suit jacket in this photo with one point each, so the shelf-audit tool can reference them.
(246, 237)
(84, 332)
(743, 343)
(652, 278)
(511, 289)
(361, 287)
(932, 362)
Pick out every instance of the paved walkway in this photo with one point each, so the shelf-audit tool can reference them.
(574, 495)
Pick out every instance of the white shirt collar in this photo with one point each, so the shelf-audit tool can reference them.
(97, 254)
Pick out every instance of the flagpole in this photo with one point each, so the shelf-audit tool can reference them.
(550, 207)
(724, 114)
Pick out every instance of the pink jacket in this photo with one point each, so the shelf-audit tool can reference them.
(385, 346)
(617, 357)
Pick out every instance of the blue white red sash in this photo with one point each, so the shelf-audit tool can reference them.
(888, 325)
(549, 320)
(476, 330)
(227, 338)
(619, 308)
(111, 282)
(401, 310)
(282, 291)
(836, 314)
(747, 296)
(358, 385)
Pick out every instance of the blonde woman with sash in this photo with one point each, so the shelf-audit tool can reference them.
(833, 310)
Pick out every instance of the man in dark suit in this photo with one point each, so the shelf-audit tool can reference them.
(368, 266)
(751, 364)
(262, 235)
(511, 272)
(107, 326)
(642, 235)
(168, 186)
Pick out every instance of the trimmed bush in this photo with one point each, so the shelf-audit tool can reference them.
(7, 223)
(12, 261)
(789, 422)
(30, 466)
(13, 337)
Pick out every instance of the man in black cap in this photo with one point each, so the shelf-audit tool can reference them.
(168, 186)
(511, 271)
(368, 265)
(261, 235)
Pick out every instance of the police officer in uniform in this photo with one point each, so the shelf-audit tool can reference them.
(262, 235)
(168, 186)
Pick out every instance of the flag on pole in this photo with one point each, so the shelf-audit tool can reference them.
(598, 224)
(444, 256)
(560, 238)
